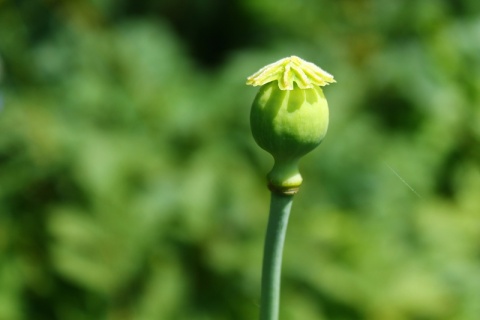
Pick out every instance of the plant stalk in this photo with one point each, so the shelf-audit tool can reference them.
(280, 205)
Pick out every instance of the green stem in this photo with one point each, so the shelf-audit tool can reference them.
(280, 206)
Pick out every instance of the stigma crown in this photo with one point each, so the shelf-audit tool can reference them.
(290, 70)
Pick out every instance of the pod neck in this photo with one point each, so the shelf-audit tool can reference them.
(285, 178)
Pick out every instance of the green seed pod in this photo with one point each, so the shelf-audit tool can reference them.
(289, 116)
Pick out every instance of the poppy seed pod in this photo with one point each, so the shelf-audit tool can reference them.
(289, 116)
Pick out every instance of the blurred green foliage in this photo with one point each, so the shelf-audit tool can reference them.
(130, 186)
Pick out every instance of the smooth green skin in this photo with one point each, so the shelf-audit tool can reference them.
(288, 124)
(280, 207)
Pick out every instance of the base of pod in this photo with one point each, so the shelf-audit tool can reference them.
(287, 191)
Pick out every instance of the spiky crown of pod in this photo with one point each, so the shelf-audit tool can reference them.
(290, 70)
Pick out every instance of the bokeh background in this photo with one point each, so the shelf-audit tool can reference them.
(131, 188)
